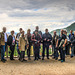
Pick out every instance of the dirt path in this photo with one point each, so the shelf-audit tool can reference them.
(46, 67)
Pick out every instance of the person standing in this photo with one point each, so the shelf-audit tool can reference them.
(54, 40)
(47, 38)
(67, 47)
(71, 34)
(17, 41)
(28, 35)
(22, 43)
(11, 42)
(61, 43)
(36, 38)
(39, 32)
(73, 45)
(3, 37)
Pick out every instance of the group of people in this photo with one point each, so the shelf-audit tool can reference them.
(61, 44)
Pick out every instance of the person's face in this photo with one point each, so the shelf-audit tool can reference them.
(29, 31)
(4, 29)
(36, 32)
(12, 33)
(66, 33)
(46, 31)
(37, 28)
(74, 33)
(71, 31)
(54, 32)
(22, 32)
(61, 31)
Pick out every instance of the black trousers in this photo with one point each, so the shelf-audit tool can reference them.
(36, 51)
(62, 54)
(22, 55)
(47, 50)
(67, 49)
(12, 48)
(29, 50)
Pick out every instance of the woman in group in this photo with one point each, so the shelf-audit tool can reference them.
(28, 35)
(11, 42)
(22, 43)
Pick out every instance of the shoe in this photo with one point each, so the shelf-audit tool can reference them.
(12, 59)
(29, 58)
(71, 56)
(39, 58)
(24, 60)
(53, 58)
(21, 60)
(3, 61)
(34, 59)
(59, 59)
(47, 57)
(42, 58)
(62, 61)
(56, 58)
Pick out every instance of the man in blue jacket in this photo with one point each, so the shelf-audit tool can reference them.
(47, 37)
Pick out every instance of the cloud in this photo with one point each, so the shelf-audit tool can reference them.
(52, 14)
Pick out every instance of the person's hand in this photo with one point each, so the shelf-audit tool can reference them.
(27, 46)
(9, 46)
(48, 40)
(38, 41)
(50, 46)
(71, 44)
(45, 39)
(56, 45)
(19, 47)
(63, 45)
(35, 40)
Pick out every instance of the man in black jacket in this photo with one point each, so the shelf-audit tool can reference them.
(72, 45)
(61, 43)
(47, 37)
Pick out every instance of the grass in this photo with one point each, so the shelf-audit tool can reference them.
(32, 52)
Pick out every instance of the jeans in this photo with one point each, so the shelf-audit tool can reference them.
(22, 55)
(55, 52)
(72, 51)
(2, 51)
(18, 49)
(47, 50)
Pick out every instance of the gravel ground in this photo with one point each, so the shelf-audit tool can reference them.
(45, 67)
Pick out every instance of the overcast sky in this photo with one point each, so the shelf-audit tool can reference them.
(51, 14)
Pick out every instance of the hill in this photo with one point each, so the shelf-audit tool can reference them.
(71, 27)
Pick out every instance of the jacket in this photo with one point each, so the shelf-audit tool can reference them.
(23, 42)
